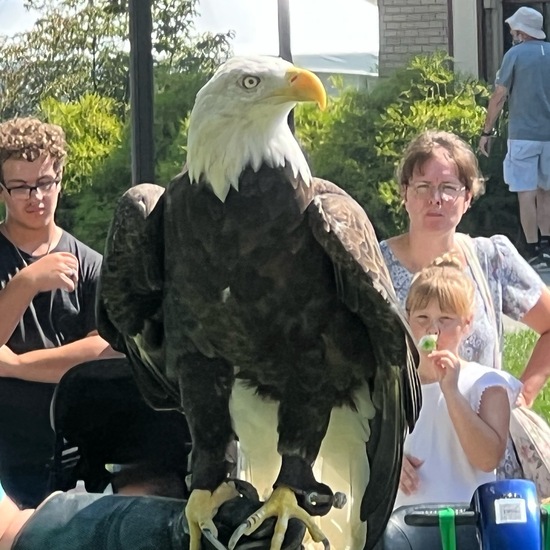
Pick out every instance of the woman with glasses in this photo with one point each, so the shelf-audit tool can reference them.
(439, 178)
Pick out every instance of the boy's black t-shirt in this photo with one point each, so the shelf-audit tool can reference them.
(59, 317)
(52, 320)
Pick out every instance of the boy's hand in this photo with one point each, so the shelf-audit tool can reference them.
(58, 270)
(447, 369)
(409, 480)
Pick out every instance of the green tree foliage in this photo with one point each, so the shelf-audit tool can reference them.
(93, 208)
(341, 145)
(359, 140)
(72, 68)
(74, 47)
(81, 46)
(93, 131)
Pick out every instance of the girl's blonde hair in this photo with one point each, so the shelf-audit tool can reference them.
(446, 282)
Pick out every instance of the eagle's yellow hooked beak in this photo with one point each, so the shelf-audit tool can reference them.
(303, 85)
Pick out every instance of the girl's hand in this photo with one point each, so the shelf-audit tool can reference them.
(409, 480)
(523, 401)
(447, 368)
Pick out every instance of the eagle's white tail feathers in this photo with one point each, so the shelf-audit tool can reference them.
(342, 462)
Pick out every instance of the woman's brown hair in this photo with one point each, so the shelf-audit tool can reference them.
(421, 148)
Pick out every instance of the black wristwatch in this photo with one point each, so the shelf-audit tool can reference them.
(488, 134)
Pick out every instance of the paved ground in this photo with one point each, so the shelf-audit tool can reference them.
(510, 324)
(545, 276)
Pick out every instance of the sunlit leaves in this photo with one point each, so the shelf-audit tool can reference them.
(93, 131)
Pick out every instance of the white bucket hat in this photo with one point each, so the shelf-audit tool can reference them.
(529, 21)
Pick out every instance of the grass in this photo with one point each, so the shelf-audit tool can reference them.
(517, 350)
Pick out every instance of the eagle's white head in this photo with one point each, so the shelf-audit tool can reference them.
(240, 118)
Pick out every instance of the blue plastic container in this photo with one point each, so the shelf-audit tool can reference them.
(509, 515)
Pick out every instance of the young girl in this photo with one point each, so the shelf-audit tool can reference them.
(461, 433)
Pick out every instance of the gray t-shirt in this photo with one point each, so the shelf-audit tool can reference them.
(525, 72)
(58, 317)
(51, 320)
(515, 288)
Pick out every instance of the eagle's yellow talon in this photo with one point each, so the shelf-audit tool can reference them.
(201, 508)
(281, 504)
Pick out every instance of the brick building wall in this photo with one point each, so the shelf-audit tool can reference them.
(411, 27)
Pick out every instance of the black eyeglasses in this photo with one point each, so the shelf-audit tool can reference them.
(24, 192)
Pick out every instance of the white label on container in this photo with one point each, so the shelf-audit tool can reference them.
(510, 510)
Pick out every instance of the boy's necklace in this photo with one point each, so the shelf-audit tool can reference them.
(8, 235)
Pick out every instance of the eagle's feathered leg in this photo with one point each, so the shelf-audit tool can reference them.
(210, 427)
(302, 425)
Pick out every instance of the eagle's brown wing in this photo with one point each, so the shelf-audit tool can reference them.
(363, 282)
(129, 306)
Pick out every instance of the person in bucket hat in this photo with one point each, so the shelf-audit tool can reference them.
(524, 80)
(527, 21)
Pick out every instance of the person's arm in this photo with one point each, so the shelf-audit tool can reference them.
(11, 521)
(496, 104)
(537, 370)
(56, 270)
(49, 365)
(482, 435)
(525, 298)
(14, 300)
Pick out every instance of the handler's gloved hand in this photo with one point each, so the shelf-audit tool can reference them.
(235, 512)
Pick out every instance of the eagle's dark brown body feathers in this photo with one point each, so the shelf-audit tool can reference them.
(265, 282)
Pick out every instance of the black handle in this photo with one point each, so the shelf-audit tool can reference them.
(429, 516)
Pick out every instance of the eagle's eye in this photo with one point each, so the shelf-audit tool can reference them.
(249, 81)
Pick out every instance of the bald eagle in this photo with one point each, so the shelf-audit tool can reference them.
(254, 298)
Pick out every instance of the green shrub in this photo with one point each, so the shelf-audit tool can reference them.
(341, 146)
(358, 141)
(93, 131)
(93, 208)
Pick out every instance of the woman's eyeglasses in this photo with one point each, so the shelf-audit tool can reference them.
(447, 191)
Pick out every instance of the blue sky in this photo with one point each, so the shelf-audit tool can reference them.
(317, 26)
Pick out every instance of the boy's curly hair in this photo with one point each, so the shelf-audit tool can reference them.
(29, 138)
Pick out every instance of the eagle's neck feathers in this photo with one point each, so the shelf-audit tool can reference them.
(218, 153)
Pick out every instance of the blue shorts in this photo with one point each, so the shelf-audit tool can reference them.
(527, 165)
